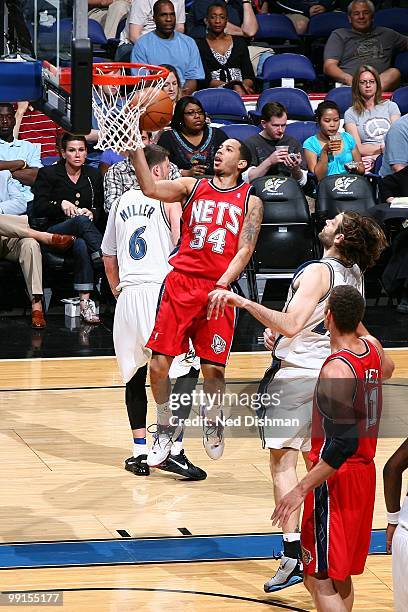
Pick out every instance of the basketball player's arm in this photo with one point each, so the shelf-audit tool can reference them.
(112, 272)
(246, 243)
(335, 397)
(392, 474)
(166, 191)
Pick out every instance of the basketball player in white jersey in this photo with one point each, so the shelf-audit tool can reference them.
(300, 344)
(397, 529)
(140, 234)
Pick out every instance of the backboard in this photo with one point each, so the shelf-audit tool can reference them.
(55, 33)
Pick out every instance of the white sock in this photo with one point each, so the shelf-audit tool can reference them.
(140, 449)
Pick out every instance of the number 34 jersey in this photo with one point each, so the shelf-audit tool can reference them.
(138, 233)
(212, 221)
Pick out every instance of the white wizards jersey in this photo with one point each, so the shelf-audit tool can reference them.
(138, 233)
(311, 346)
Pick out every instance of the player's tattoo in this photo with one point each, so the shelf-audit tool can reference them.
(252, 222)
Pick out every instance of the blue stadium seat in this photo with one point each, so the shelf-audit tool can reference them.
(342, 97)
(50, 160)
(222, 104)
(301, 130)
(96, 33)
(241, 131)
(394, 18)
(401, 62)
(273, 28)
(295, 100)
(288, 66)
(400, 97)
(323, 24)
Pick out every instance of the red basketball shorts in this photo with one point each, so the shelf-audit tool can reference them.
(182, 314)
(337, 520)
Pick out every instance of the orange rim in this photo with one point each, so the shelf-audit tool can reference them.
(102, 73)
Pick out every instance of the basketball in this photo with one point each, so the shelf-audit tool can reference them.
(158, 114)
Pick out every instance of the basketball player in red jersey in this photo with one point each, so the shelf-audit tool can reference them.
(220, 225)
(339, 491)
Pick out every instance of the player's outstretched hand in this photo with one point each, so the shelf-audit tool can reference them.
(286, 506)
(219, 299)
(269, 338)
(388, 538)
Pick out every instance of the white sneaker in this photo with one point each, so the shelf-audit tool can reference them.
(160, 450)
(213, 435)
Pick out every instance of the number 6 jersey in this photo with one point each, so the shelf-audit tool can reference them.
(138, 233)
(212, 220)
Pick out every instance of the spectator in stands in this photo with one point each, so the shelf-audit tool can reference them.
(70, 196)
(20, 157)
(328, 151)
(18, 242)
(299, 12)
(164, 42)
(346, 49)
(396, 147)
(191, 142)
(140, 21)
(109, 157)
(369, 118)
(37, 128)
(225, 58)
(121, 177)
(241, 19)
(108, 13)
(273, 152)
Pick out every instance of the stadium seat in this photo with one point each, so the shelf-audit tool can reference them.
(96, 33)
(288, 66)
(323, 24)
(394, 18)
(401, 62)
(50, 160)
(400, 97)
(241, 131)
(342, 97)
(286, 238)
(275, 30)
(222, 105)
(294, 99)
(302, 130)
(341, 192)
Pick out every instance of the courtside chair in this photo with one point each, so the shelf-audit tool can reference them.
(342, 97)
(400, 97)
(294, 99)
(289, 66)
(241, 131)
(341, 192)
(222, 105)
(286, 238)
(394, 18)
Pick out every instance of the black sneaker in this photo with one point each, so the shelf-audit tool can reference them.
(179, 464)
(137, 465)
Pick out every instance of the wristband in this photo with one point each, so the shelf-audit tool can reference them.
(392, 518)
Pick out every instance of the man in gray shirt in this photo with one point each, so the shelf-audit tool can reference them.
(396, 147)
(346, 49)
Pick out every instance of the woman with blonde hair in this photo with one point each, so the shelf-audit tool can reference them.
(370, 117)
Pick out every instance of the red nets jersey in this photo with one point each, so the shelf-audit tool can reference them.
(211, 224)
(367, 405)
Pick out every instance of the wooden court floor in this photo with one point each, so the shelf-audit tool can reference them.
(63, 439)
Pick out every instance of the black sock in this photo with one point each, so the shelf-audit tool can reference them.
(292, 549)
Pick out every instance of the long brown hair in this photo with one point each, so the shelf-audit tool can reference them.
(358, 100)
(364, 240)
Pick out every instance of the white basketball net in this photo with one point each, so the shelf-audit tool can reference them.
(117, 110)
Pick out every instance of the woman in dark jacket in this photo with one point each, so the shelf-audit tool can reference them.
(191, 143)
(70, 196)
(225, 58)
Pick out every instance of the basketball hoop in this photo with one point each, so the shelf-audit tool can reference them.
(119, 99)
